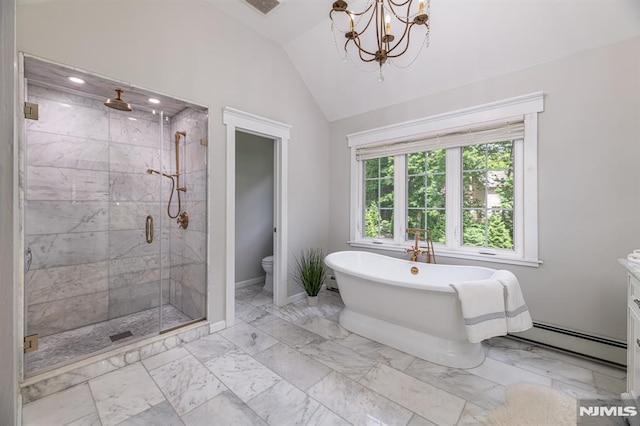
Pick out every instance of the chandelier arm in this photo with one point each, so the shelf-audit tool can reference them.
(351, 13)
(406, 46)
(380, 26)
(422, 45)
(361, 49)
(397, 16)
(393, 10)
(334, 26)
(407, 29)
(368, 23)
(366, 10)
(400, 4)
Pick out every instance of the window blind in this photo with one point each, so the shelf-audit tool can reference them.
(486, 133)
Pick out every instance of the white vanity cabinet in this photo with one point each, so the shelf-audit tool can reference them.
(633, 328)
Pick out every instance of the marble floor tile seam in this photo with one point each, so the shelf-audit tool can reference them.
(183, 358)
(93, 400)
(547, 372)
(320, 405)
(540, 351)
(545, 354)
(596, 367)
(446, 385)
(318, 337)
(341, 342)
(560, 382)
(267, 389)
(574, 359)
(363, 380)
(388, 401)
(258, 397)
(227, 389)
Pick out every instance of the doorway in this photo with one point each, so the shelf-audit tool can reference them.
(246, 123)
(255, 170)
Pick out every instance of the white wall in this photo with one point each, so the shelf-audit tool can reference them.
(589, 196)
(254, 204)
(9, 347)
(190, 50)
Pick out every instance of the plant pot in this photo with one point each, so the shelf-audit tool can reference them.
(312, 300)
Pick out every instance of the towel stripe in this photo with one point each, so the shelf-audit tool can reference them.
(483, 318)
(517, 312)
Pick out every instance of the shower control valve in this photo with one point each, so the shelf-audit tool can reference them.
(183, 220)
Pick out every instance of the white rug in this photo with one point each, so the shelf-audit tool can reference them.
(534, 405)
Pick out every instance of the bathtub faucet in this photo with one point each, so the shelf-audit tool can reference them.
(416, 250)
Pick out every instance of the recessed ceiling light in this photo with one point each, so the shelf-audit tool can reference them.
(132, 119)
(154, 101)
(76, 80)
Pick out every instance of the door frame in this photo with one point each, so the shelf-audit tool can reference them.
(236, 120)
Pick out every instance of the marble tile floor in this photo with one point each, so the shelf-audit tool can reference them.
(296, 366)
(61, 348)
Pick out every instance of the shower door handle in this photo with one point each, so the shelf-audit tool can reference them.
(149, 229)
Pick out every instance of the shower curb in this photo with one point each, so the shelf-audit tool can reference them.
(36, 387)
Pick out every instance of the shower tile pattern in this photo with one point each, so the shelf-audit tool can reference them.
(86, 200)
(188, 247)
(61, 348)
(221, 377)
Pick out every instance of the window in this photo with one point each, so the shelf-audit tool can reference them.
(378, 197)
(487, 195)
(426, 178)
(464, 176)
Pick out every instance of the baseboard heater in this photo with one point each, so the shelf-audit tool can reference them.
(586, 345)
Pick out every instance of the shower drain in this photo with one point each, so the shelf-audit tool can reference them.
(120, 336)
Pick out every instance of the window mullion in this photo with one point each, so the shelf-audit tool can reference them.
(357, 199)
(453, 197)
(400, 197)
(518, 199)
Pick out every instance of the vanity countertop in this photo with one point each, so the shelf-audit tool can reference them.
(632, 267)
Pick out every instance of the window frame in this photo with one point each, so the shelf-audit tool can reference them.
(525, 237)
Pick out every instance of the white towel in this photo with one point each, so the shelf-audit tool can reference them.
(516, 311)
(482, 308)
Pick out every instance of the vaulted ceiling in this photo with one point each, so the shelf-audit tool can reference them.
(471, 40)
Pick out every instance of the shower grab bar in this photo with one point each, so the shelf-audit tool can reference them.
(149, 229)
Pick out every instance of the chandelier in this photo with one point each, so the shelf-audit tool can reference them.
(370, 34)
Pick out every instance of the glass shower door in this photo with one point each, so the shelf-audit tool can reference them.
(139, 240)
(91, 270)
(186, 156)
(107, 263)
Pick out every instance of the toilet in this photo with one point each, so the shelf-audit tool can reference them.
(267, 265)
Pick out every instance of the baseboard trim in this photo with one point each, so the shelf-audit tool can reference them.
(296, 297)
(608, 350)
(252, 281)
(217, 326)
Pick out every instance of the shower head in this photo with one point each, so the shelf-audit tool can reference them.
(118, 103)
(151, 171)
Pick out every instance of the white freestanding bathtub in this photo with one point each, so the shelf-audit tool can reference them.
(419, 314)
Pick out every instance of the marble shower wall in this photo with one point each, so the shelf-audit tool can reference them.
(188, 247)
(87, 197)
(135, 266)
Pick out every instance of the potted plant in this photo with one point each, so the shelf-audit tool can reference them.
(310, 273)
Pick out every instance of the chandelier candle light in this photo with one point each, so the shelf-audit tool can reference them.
(377, 17)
